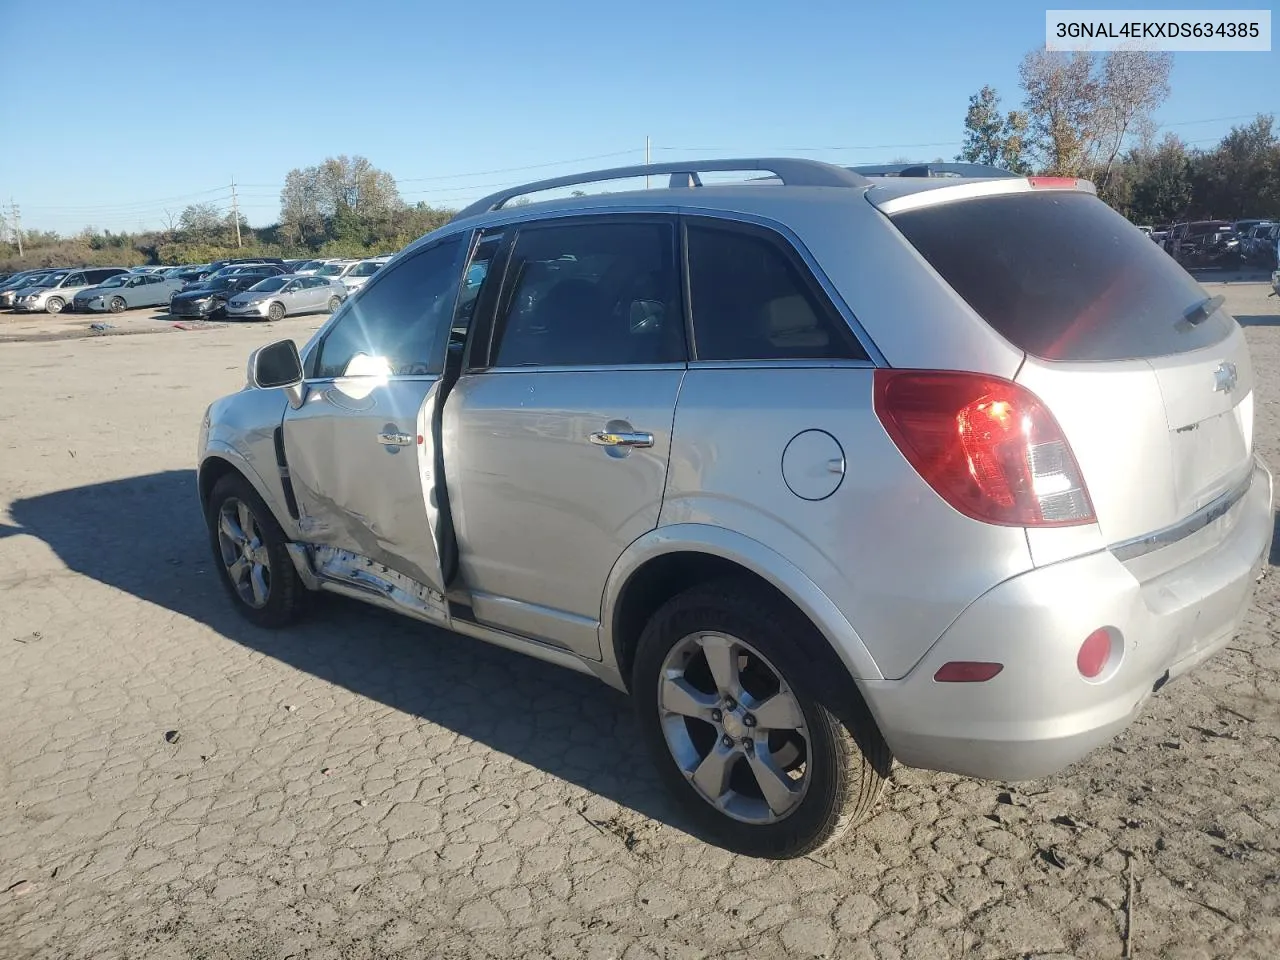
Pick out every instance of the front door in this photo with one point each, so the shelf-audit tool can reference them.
(360, 449)
(556, 436)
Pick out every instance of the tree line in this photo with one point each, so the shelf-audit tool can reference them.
(1090, 115)
(344, 207)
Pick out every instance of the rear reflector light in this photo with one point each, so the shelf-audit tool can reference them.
(967, 671)
(987, 446)
(1068, 183)
(1094, 653)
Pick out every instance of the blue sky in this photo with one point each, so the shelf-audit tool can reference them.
(149, 106)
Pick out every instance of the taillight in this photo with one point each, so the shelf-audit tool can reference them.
(987, 446)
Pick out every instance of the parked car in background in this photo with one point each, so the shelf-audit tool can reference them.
(336, 269)
(191, 274)
(26, 278)
(1171, 242)
(1242, 227)
(127, 292)
(359, 274)
(1258, 246)
(59, 288)
(1159, 234)
(219, 264)
(309, 267)
(208, 298)
(1270, 247)
(1003, 377)
(1251, 242)
(277, 297)
(292, 265)
(1207, 243)
(255, 270)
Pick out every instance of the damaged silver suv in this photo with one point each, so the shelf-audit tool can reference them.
(824, 467)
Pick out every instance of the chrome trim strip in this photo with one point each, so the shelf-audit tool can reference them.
(822, 364)
(1215, 509)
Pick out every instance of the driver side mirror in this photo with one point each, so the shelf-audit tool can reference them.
(277, 365)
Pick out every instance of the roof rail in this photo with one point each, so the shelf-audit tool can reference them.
(931, 169)
(792, 172)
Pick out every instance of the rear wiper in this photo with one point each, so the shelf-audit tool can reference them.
(1201, 311)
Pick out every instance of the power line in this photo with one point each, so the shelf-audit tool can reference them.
(132, 203)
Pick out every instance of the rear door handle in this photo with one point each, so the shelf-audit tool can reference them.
(602, 438)
(395, 439)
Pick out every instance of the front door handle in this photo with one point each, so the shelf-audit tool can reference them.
(602, 438)
(395, 439)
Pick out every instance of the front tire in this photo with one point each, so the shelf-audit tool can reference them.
(54, 305)
(249, 550)
(726, 703)
(275, 312)
(116, 305)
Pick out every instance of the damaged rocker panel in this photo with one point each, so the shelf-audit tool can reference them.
(325, 567)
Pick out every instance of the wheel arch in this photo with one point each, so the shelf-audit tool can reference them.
(671, 559)
(218, 462)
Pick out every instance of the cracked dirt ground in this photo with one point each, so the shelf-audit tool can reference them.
(364, 787)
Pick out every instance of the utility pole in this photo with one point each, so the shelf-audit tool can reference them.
(17, 226)
(646, 160)
(235, 210)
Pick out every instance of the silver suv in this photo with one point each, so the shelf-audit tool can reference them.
(824, 467)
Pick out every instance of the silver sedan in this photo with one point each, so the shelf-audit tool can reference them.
(276, 297)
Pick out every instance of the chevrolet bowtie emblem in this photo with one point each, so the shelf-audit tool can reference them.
(1224, 378)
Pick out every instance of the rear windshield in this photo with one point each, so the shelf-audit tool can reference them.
(1063, 276)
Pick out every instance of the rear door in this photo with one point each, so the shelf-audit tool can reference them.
(360, 450)
(1149, 378)
(315, 292)
(557, 434)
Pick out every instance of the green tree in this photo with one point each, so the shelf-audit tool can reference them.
(1162, 190)
(991, 137)
(201, 221)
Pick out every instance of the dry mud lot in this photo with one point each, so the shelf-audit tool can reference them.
(175, 783)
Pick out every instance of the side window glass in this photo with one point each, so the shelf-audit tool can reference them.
(396, 326)
(597, 293)
(75, 280)
(753, 299)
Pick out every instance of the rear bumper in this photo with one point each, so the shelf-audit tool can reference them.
(1039, 714)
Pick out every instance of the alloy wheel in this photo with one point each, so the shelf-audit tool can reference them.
(734, 727)
(244, 554)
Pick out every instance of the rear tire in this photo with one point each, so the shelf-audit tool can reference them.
(798, 775)
(116, 305)
(275, 312)
(251, 556)
(334, 303)
(54, 305)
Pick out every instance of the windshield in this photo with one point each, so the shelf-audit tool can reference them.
(269, 285)
(331, 269)
(119, 280)
(49, 279)
(311, 265)
(367, 269)
(1063, 276)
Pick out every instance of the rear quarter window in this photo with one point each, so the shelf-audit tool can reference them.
(1063, 276)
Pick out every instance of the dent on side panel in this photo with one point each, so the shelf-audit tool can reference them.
(335, 479)
(898, 562)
